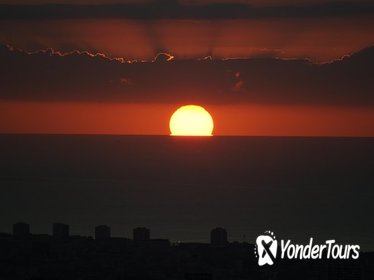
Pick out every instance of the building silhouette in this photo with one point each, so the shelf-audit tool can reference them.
(102, 232)
(198, 276)
(80, 258)
(218, 237)
(141, 234)
(60, 230)
(21, 230)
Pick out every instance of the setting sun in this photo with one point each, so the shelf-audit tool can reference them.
(191, 120)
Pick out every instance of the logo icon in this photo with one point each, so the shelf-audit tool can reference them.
(266, 248)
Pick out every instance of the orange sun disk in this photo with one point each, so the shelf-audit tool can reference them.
(191, 120)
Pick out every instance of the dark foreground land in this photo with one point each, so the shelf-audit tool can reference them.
(44, 257)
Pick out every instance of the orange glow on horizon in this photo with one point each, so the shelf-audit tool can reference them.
(153, 119)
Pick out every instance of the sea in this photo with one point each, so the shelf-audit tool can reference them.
(183, 187)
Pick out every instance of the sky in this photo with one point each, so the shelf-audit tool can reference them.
(283, 68)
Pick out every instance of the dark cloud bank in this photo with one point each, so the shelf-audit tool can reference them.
(49, 75)
(171, 9)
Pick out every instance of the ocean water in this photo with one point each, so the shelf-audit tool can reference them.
(182, 187)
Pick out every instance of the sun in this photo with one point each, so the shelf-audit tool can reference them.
(191, 120)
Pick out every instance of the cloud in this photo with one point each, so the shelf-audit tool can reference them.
(175, 10)
(50, 75)
(163, 57)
